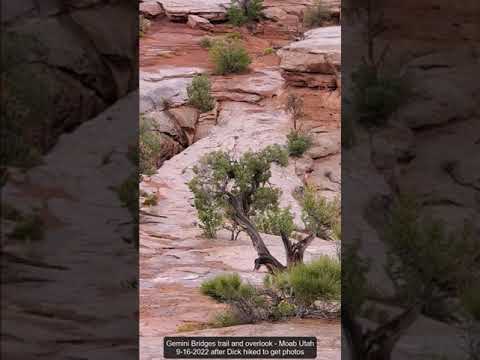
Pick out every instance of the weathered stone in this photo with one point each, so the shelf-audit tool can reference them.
(195, 21)
(187, 118)
(436, 77)
(319, 52)
(151, 9)
(165, 87)
(264, 83)
(208, 9)
(325, 144)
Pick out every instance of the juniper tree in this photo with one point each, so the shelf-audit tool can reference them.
(239, 191)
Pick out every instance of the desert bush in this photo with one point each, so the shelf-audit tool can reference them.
(275, 222)
(241, 12)
(303, 284)
(298, 143)
(226, 287)
(376, 97)
(149, 148)
(317, 15)
(128, 193)
(229, 56)
(225, 319)
(206, 42)
(268, 51)
(284, 309)
(236, 15)
(320, 216)
(199, 93)
(246, 302)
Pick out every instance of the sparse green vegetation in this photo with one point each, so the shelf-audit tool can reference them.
(241, 12)
(268, 51)
(225, 319)
(317, 15)
(275, 222)
(229, 56)
(298, 143)
(128, 193)
(149, 148)
(206, 42)
(199, 93)
(320, 216)
(303, 284)
(292, 292)
(376, 97)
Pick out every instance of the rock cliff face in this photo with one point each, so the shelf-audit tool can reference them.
(80, 57)
(426, 149)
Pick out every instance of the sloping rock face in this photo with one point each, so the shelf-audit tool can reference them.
(428, 149)
(178, 10)
(175, 258)
(40, 301)
(94, 65)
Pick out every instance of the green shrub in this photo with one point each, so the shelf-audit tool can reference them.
(225, 319)
(241, 12)
(275, 222)
(29, 228)
(247, 304)
(229, 56)
(320, 216)
(284, 310)
(268, 51)
(277, 154)
(317, 15)
(254, 10)
(376, 98)
(199, 93)
(149, 148)
(307, 283)
(128, 193)
(236, 15)
(227, 287)
(298, 143)
(206, 42)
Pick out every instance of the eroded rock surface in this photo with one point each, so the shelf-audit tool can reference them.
(208, 9)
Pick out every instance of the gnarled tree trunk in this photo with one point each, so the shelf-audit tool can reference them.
(294, 252)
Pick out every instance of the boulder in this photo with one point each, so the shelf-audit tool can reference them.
(319, 52)
(178, 10)
(195, 22)
(165, 87)
(151, 9)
